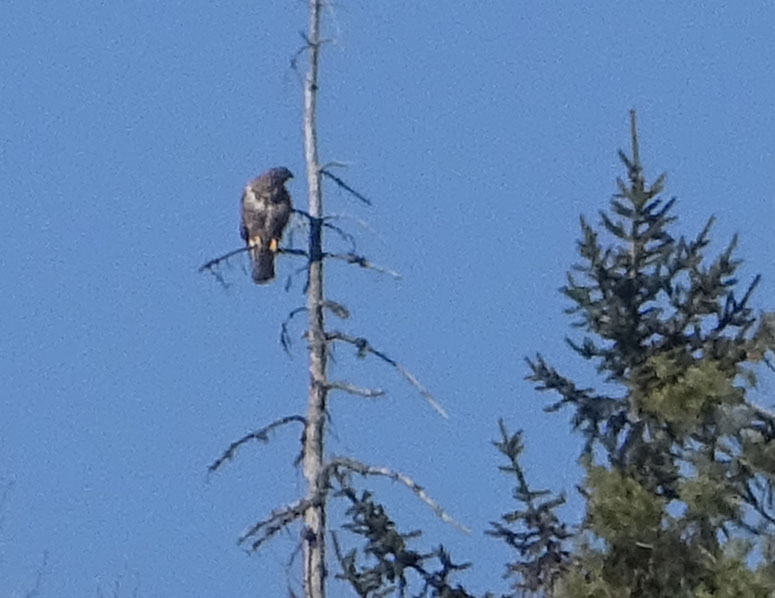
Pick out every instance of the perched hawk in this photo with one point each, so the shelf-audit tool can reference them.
(266, 208)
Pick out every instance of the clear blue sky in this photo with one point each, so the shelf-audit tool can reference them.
(481, 131)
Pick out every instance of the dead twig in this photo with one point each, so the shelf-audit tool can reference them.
(299, 212)
(285, 337)
(324, 221)
(345, 236)
(359, 260)
(364, 348)
(359, 221)
(346, 187)
(260, 435)
(369, 393)
(293, 251)
(339, 310)
(213, 264)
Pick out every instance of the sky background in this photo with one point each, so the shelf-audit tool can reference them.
(480, 130)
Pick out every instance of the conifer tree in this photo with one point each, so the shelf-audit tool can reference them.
(679, 461)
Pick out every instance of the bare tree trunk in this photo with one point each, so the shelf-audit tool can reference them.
(315, 515)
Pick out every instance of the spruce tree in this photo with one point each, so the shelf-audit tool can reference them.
(679, 461)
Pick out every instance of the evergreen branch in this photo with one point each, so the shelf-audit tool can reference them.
(390, 549)
(767, 415)
(540, 536)
(338, 463)
(663, 323)
(362, 584)
(364, 347)
(547, 378)
(749, 496)
(259, 435)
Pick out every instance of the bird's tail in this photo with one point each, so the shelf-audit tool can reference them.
(262, 260)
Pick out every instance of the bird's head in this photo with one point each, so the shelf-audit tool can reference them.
(279, 175)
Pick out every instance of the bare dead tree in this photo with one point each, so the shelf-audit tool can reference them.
(319, 470)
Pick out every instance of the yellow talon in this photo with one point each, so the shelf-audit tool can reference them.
(273, 245)
(254, 241)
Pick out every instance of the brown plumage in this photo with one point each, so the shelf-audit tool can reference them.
(266, 208)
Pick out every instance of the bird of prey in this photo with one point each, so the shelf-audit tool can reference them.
(266, 208)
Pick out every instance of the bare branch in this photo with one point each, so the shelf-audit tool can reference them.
(359, 260)
(369, 393)
(363, 469)
(351, 256)
(277, 521)
(304, 213)
(293, 251)
(261, 435)
(339, 310)
(215, 262)
(345, 186)
(294, 62)
(359, 221)
(212, 265)
(285, 337)
(364, 347)
(324, 221)
(334, 164)
(327, 218)
(349, 238)
(292, 275)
